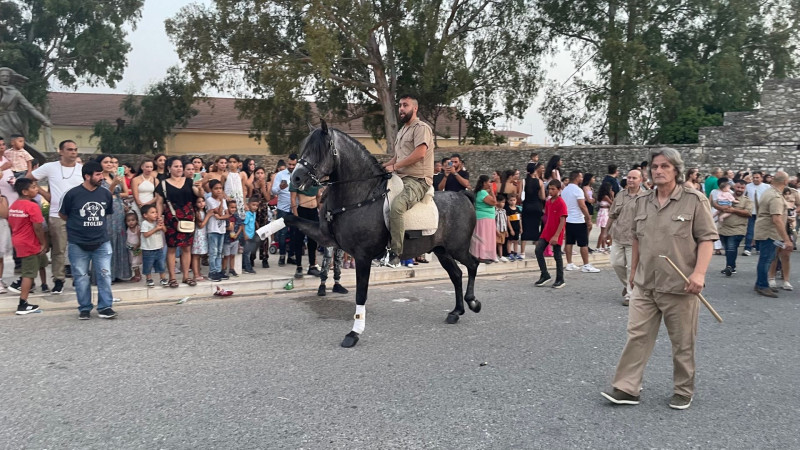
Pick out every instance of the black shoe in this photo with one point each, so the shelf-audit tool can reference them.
(107, 313)
(58, 287)
(67, 271)
(16, 287)
(728, 271)
(45, 288)
(339, 289)
(26, 308)
(281, 261)
(250, 271)
(298, 273)
(291, 261)
(265, 264)
(233, 273)
(313, 271)
(84, 315)
(223, 276)
(680, 401)
(321, 290)
(542, 280)
(214, 277)
(618, 397)
(559, 284)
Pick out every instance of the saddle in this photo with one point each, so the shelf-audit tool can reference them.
(422, 219)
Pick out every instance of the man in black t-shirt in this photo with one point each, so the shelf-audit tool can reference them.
(86, 209)
(455, 179)
(438, 170)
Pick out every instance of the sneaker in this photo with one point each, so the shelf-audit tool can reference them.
(26, 308)
(214, 277)
(16, 286)
(766, 292)
(626, 301)
(746, 253)
(281, 261)
(107, 313)
(45, 288)
(223, 276)
(559, 284)
(313, 271)
(503, 259)
(150, 283)
(339, 289)
(250, 271)
(233, 273)
(3, 288)
(265, 264)
(588, 268)
(84, 315)
(542, 280)
(786, 286)
(570, 267)
(680, 402)
(728, 271)
(392, 259)
(521, 256)
(321, 290)
(618, 397)
(298, 274)
(772, 283)
(58, 287)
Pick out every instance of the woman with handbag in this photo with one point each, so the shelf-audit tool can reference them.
(175, 197)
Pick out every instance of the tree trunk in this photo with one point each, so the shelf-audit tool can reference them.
(385, 94)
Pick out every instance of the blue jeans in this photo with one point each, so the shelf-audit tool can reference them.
(282, 235)
(215, 242)
(766, 253)
(100, 259)
(748, 237)
(731, 246)
(249, 247)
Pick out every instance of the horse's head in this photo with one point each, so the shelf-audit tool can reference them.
(317, 160)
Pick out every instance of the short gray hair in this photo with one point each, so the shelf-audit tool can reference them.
(673, 157)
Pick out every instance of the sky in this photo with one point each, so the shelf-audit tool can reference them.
(152, 54)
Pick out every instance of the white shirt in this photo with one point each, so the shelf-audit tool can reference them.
(754, 192)
(6, 189)
(60, 179)
(571, 194)
(284, 196)
(155, 241)
(215, 225)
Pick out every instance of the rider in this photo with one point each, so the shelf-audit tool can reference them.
(413, 162)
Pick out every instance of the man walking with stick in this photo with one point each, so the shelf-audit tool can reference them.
(674, 221)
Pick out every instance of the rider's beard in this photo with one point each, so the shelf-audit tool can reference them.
(404, 118)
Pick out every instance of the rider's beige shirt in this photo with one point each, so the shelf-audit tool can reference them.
(409, 137)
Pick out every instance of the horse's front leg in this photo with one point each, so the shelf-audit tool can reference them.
(363, 267)
(310, 228)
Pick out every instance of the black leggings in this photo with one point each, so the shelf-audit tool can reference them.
(297, 237)
(541, 244)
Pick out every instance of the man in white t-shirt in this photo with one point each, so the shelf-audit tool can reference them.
(61, 176)
(753, 191)
(7, 191)
(579, 222)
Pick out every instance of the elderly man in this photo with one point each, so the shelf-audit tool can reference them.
(672, 220)
(620, 223)
(413, 162)
(770, 231)
(733, 229)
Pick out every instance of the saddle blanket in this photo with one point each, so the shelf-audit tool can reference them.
(424, 216)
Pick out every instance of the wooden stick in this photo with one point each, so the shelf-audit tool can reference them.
(700, 296)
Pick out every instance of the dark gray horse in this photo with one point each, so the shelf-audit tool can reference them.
(353, 217)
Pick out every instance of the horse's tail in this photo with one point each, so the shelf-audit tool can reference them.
(470, 195)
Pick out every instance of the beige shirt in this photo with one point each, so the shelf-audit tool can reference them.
(621, 212)
(736, 225)
(409, 137)
(770, 203)
(674, 230)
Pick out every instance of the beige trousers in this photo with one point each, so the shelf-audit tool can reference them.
(621, 262)
(414, 189)
(58, 246)
(646, 309)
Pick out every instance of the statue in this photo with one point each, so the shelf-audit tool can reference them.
(11, 100)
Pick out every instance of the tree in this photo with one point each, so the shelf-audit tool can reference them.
(150, 118)
(654, 60)
(72, 42)
(480, 127)
(344, 52)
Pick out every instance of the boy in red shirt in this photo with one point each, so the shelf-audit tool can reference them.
(27, 234)
(555, 209)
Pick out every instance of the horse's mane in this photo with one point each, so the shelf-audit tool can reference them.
(317, 145)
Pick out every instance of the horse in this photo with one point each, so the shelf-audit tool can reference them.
(353, 219)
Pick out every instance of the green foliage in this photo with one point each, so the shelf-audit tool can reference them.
(480, 126)
(345, 52)
(149, 119)
(683, 130)
(72, 42)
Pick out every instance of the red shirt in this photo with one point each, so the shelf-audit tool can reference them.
(554, 209)
(22, 214)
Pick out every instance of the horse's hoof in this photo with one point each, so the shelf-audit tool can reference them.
(350, 340)
(474, 305)
(452, 318)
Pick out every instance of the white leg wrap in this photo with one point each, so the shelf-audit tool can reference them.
(360, 321)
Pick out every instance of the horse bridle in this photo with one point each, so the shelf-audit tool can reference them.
(312, 169)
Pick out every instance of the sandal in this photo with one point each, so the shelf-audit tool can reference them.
(136, 279)
(190, 282)
(173, 283)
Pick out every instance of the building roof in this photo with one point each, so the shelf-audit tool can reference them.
(218, 114)
(511, 134)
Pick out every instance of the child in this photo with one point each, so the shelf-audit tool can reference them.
(503, 226)
(553, 233)
(27, 235)
(19, 157)
(724, 198)
(230, 249)
(514, 213)
(249, 235)
(152, 245)
(133, 242)
(217, 208)
(200, 243)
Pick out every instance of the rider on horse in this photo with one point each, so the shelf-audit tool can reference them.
(413, 162)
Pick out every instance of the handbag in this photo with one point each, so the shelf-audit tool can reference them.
(184, 226)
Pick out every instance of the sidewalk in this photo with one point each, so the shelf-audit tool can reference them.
(267, 282)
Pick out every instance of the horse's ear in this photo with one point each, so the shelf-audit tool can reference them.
(311, 127)
(324, 126)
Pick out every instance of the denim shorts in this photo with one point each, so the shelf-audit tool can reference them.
(153, 261)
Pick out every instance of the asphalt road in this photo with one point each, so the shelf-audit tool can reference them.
(268, 372)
